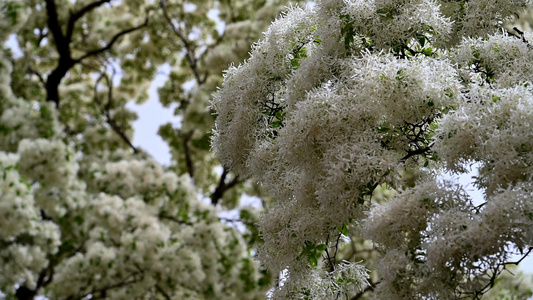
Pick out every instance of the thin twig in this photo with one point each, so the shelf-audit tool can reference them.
(113, 40)
(77, 15)
(106, 111)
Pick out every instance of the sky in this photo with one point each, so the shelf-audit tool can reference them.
(151, 115)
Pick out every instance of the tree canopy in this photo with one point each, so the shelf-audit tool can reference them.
(341, 121)
(349, 112)
(84, 212)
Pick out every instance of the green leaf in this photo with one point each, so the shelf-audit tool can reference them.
(78, 219)
(421, 39)
(275, 124)
(280, 115)
(295, 63)
(309, 246)
(399, 75)
(313, 261)
(345, 230)
(345, 17)
(383, 129)
(346, 28)
(321, 247)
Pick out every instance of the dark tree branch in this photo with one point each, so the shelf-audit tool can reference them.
(105, 110)
(62, 43)
(416, 152)
(121, 133)
(496, 271)
(113, 41)
(520, 260)
(162, 292)
(223, 186)
(63, 48)
(174, 219)
(236, 221)
(188, 157)
(24, 293)
(34, 72)
(189, 49)
(101, 292)
(77, 15)
(521, 36)
(53, 24)
(45, 278)
(331, 260)
(371, 286)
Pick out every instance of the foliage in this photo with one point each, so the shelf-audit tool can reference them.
(356, 130)
(85, 213)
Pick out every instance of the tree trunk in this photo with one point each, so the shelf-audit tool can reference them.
(24, 293)
(54, 79)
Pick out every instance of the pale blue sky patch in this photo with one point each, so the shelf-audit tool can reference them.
(13, 44)
(151, 116)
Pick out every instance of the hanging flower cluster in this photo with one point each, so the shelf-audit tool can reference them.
(345, 96)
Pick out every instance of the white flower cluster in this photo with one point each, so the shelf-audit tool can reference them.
(130, 177)
(430, 232)
(16, 13)
(127, 242)
(51, 163)
(479, 18)
(16, 198)
(493, 128)
(347, 279)
(340, 98)
(500, 59)
(26, 119)
(25, 240)
(147, 231)
(242, 119)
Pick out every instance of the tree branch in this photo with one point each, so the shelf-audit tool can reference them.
(416, 152)
(188, 158)
(371, 286)
(113, 41)
(174, 219)
(228, 220)
(102, 291)
(162, 292)
(55, 28)
(45, 278)
(77, 15)
(106, 111)
(223, 186)
(189, 51)
(34, 72)
(63, 48)
(521, 33)
(496, 271)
